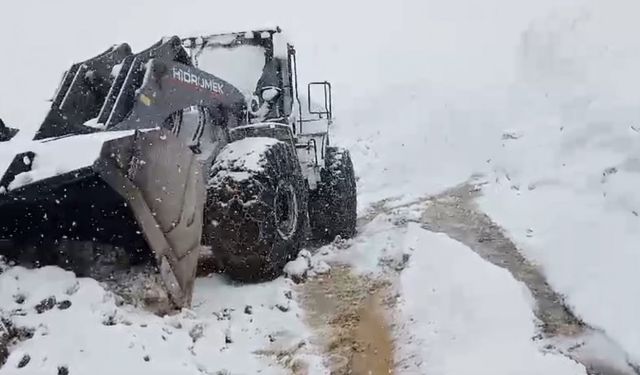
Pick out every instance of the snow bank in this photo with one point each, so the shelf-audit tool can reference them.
(566, 189)
(239, 329)
(587, 250)
(464, 315)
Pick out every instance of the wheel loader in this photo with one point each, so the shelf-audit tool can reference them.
(147, 160)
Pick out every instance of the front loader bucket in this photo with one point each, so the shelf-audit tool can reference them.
(143, 193)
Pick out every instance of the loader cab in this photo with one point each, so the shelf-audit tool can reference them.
(263, 66)
(247, 61)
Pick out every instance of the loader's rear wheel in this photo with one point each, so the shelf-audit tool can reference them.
(256, 217)
(333, 205)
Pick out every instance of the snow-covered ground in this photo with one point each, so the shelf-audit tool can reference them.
(237, 329)
(541, 98)
(556, 137)
(457, 313)
(468, 316)
(566, 188)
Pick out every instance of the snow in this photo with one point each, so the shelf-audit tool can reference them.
(457, 314)
(298, 267)
(95, 335)
(305, 265)
(555, 136)
(115, 71)
(539, 97)
(239, 159)
(56, 157)
(564, 190)
(375, 242)
(466, 316)
(93, 123)
(597, 348)
(585, 247)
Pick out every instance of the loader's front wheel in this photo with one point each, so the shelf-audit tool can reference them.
(256, 217)
(332, 206)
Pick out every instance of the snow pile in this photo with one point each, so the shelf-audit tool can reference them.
(79, 327)
(376, 243)
(466, 316)
(378, 246)
(305, 265)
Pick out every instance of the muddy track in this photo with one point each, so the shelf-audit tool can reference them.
(349, 314)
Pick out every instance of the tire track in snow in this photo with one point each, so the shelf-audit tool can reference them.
(338, 303)
(455, 213)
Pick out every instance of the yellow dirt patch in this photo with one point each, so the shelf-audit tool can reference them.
(349, 314)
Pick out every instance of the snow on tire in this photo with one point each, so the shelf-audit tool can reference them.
(256, 216)
(333, 205)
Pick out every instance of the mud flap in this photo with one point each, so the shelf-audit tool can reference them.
(162, 183)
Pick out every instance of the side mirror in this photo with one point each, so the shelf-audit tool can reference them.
(6, 133)
(318, 93)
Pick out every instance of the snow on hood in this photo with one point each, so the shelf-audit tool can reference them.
(55, 157)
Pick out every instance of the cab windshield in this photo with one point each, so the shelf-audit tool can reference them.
(241, 65)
